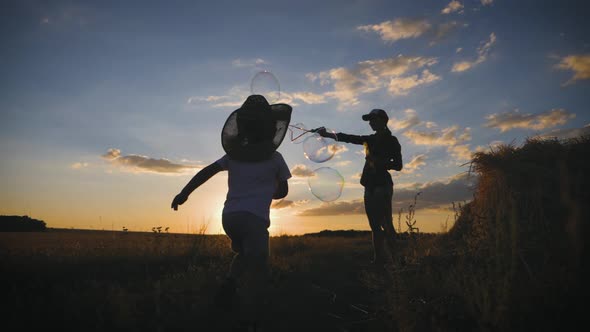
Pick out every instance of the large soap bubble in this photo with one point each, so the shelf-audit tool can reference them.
(319, 149)
(266, 84)
(326, 184)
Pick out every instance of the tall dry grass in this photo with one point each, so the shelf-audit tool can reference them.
(105, 281)
(515, 259)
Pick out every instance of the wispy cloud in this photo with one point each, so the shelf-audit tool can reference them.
(343, 163)
(337, 148)
(233, 98)
(579, 64)
(514, 119)
(282, 204)
(411, 119)
(482, 52)
(79, 165)
(217, 101)
(439, 194)
(436, 194)
(567, 133)
(402, 85)
(416, 163)
(449, 136)
(373, 75)
(210, 99)
(236, 96)
(407, 28)
(336, 209)
(302, 171)
(309, 97)
(460, 152)
(248, 63)
(285, 203)
(453, 6)
(491, 146)
(305, 97)
(402, 28)
(487, 2)
(143, 164)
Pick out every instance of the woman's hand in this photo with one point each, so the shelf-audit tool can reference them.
(321, 131)
(324, 133)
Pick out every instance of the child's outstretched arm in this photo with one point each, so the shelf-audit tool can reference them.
(201, 177)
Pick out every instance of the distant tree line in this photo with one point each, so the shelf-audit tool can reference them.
(339, 233)
(21, 224)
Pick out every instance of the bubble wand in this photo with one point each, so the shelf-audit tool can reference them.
(305, 131)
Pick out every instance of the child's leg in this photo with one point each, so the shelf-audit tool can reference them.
(256, 270)
(250, 265)
(234, 231)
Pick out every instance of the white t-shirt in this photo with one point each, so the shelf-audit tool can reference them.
(252, 184)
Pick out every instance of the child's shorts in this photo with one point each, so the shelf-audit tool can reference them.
(248, 233)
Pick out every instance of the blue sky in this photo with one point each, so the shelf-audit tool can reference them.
(108, 108)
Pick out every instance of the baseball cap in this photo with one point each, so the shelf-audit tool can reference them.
(376, 113)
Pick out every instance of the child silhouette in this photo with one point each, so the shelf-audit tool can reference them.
(257, 174)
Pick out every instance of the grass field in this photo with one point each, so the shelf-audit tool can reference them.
(99, 280)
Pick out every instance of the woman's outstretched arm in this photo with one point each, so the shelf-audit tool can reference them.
(341, 137)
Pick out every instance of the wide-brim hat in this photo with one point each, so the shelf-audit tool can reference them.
(254, 131)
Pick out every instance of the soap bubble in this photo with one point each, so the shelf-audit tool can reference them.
(326, 184)
(319, 149)
(266, 84)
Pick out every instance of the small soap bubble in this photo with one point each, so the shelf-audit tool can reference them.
(326, 184)
(266, 84)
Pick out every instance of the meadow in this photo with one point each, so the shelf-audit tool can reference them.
(102, 280)
(514, 260)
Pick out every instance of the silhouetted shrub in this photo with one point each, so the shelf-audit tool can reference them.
(21, 224)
